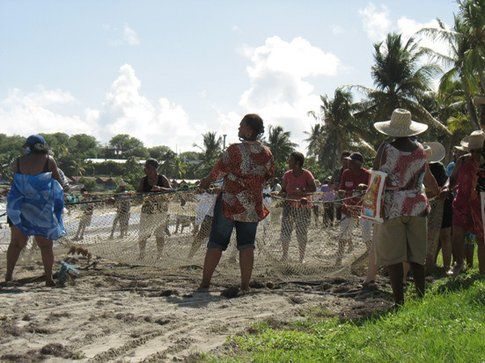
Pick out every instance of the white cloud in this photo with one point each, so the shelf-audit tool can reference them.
(376, 21)
(27, 113)
(124, 36)
(279, 87)
(125, 110)
(409, 27)
(336, 29)
(130, 36)
(236, 29)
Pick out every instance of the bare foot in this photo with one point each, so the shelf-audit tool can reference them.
(50, 283)
(8, 277)
(204, 286)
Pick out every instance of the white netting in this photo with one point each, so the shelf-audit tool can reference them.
(291, 241)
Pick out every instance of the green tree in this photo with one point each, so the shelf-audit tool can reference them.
(85, 145)
(128, 146)
(211, 149)
(281, 147)
(133, 172)
(466, 61)
(337, 130)
(159, 152)
(10, 148)
(58, 143)
(400, 80)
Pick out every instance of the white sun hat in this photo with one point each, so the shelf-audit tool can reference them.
(474, 141)
(435, 151)
(400, 125)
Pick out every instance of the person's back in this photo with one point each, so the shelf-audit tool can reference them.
(404, 161)
(245, 168)
(32, 164)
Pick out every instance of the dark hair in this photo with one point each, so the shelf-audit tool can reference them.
(39, 149)
(345, 154)
(152, 162)
(255, 123)
(298, 157)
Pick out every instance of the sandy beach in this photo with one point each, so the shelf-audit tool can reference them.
(118, 312)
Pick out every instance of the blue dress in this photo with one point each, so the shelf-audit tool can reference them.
(35, 204)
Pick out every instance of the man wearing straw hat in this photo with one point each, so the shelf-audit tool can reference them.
(466, 205)
(402, 236)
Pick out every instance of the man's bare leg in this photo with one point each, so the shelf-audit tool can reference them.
(212, 258)
(445, 238)
(246, 262)
(372, 269)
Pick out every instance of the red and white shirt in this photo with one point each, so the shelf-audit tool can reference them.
(245, 167)
(404, 195)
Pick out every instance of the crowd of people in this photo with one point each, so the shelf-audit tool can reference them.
(427, 207)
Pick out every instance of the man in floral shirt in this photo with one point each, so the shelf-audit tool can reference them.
(245, 167)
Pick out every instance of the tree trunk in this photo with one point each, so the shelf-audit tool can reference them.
(472, 112)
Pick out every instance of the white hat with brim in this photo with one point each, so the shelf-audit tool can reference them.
(435, 151)
(474, 141)
(400, 125)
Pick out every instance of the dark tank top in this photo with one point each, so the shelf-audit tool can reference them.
(148, 188)
(151, 206)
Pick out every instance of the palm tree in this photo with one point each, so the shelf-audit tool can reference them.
(315, 137)
(211, 150)
(337, 130)
(400, 81)
(466, 59)
(280, 145)
(212, 146)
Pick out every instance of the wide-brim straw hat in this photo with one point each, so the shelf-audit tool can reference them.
(400, 125)
(479, 100)
(435, 151)
(474, 141)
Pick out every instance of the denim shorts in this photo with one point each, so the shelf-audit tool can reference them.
(222, 229)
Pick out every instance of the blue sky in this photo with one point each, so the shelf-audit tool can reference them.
(168, 71)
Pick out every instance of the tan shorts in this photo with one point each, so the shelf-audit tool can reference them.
(401, 239)
(152, 224)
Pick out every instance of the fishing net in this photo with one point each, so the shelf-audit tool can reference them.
(170, 232)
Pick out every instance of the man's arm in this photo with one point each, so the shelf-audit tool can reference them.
(165, 187)
(311, 186)
(220, 169)
(378, 159)
(430, 183)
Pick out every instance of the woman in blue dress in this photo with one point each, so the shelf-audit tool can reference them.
(34, 205)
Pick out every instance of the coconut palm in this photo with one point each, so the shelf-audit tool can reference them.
(466, 59)
(280, 145)
(400, 80)
(337, 130)
(211, 149)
